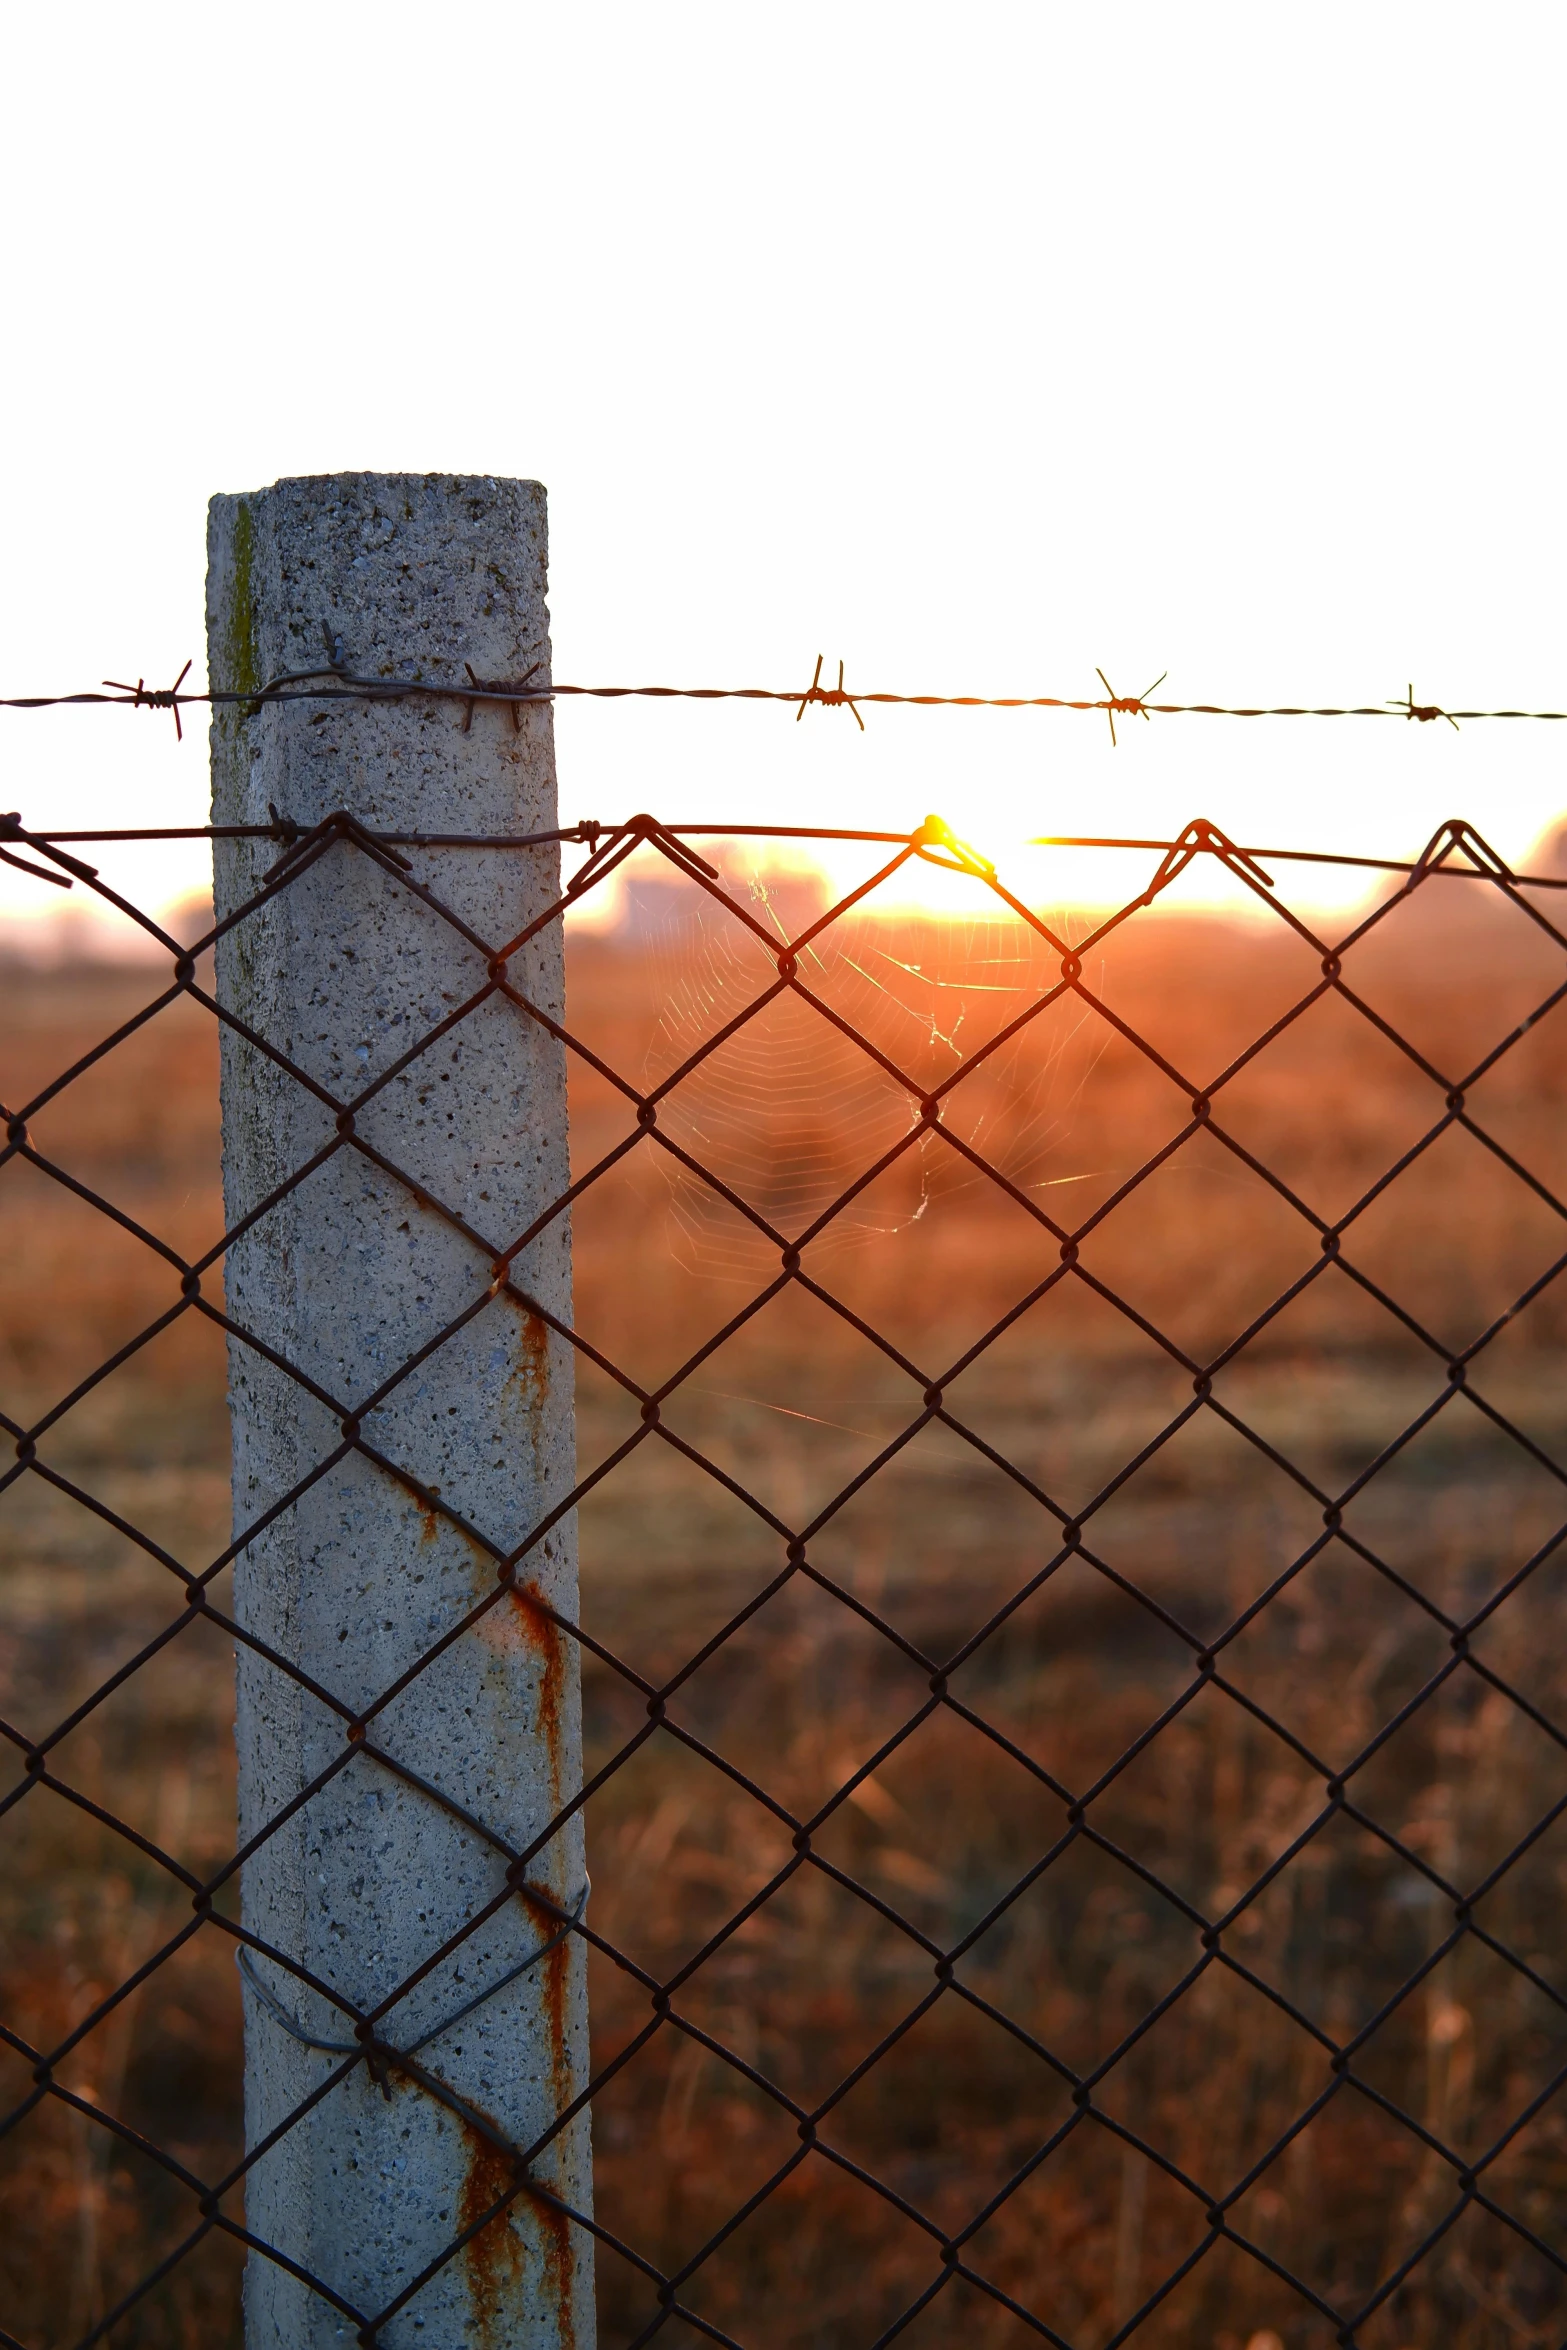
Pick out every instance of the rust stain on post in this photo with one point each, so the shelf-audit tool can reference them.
(532, 1375)
(496, 2258)
(559, 2267)
(530, 1385)
(545, 1637)
(556, 1986)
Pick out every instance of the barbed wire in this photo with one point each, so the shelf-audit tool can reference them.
(517, 694)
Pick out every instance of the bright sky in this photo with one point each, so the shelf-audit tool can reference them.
(978, 346)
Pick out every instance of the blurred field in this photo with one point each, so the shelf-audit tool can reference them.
(792, 1407)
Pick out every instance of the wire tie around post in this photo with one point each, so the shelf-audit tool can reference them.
(380, 2057)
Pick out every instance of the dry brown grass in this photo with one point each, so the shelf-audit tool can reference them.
(806, 1692)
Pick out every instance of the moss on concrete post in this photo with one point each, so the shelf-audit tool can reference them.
(347, 1278)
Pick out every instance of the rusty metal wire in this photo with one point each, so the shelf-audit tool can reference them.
(335, 681)
(1465, 2179)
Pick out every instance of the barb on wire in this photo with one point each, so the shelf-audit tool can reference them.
(163, 697)
(491, 686)
(1424, 711)
(831, 697)
(1126, 705)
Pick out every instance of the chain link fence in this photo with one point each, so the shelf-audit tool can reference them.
(1070, 1479)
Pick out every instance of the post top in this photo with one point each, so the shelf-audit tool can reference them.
(385, 485)
(436, 578)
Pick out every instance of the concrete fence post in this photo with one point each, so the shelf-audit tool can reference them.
(347, 1278)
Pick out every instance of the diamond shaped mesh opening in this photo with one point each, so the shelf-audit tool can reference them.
(1072, 1495)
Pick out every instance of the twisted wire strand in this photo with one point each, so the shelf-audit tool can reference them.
(333, 681)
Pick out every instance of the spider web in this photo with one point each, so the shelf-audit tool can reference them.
(790, 1112)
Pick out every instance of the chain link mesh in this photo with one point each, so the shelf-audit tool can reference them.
(1048, 2065)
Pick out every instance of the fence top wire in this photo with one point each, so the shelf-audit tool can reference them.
(1465, 2181)
(1454, 852)
(333, 681)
